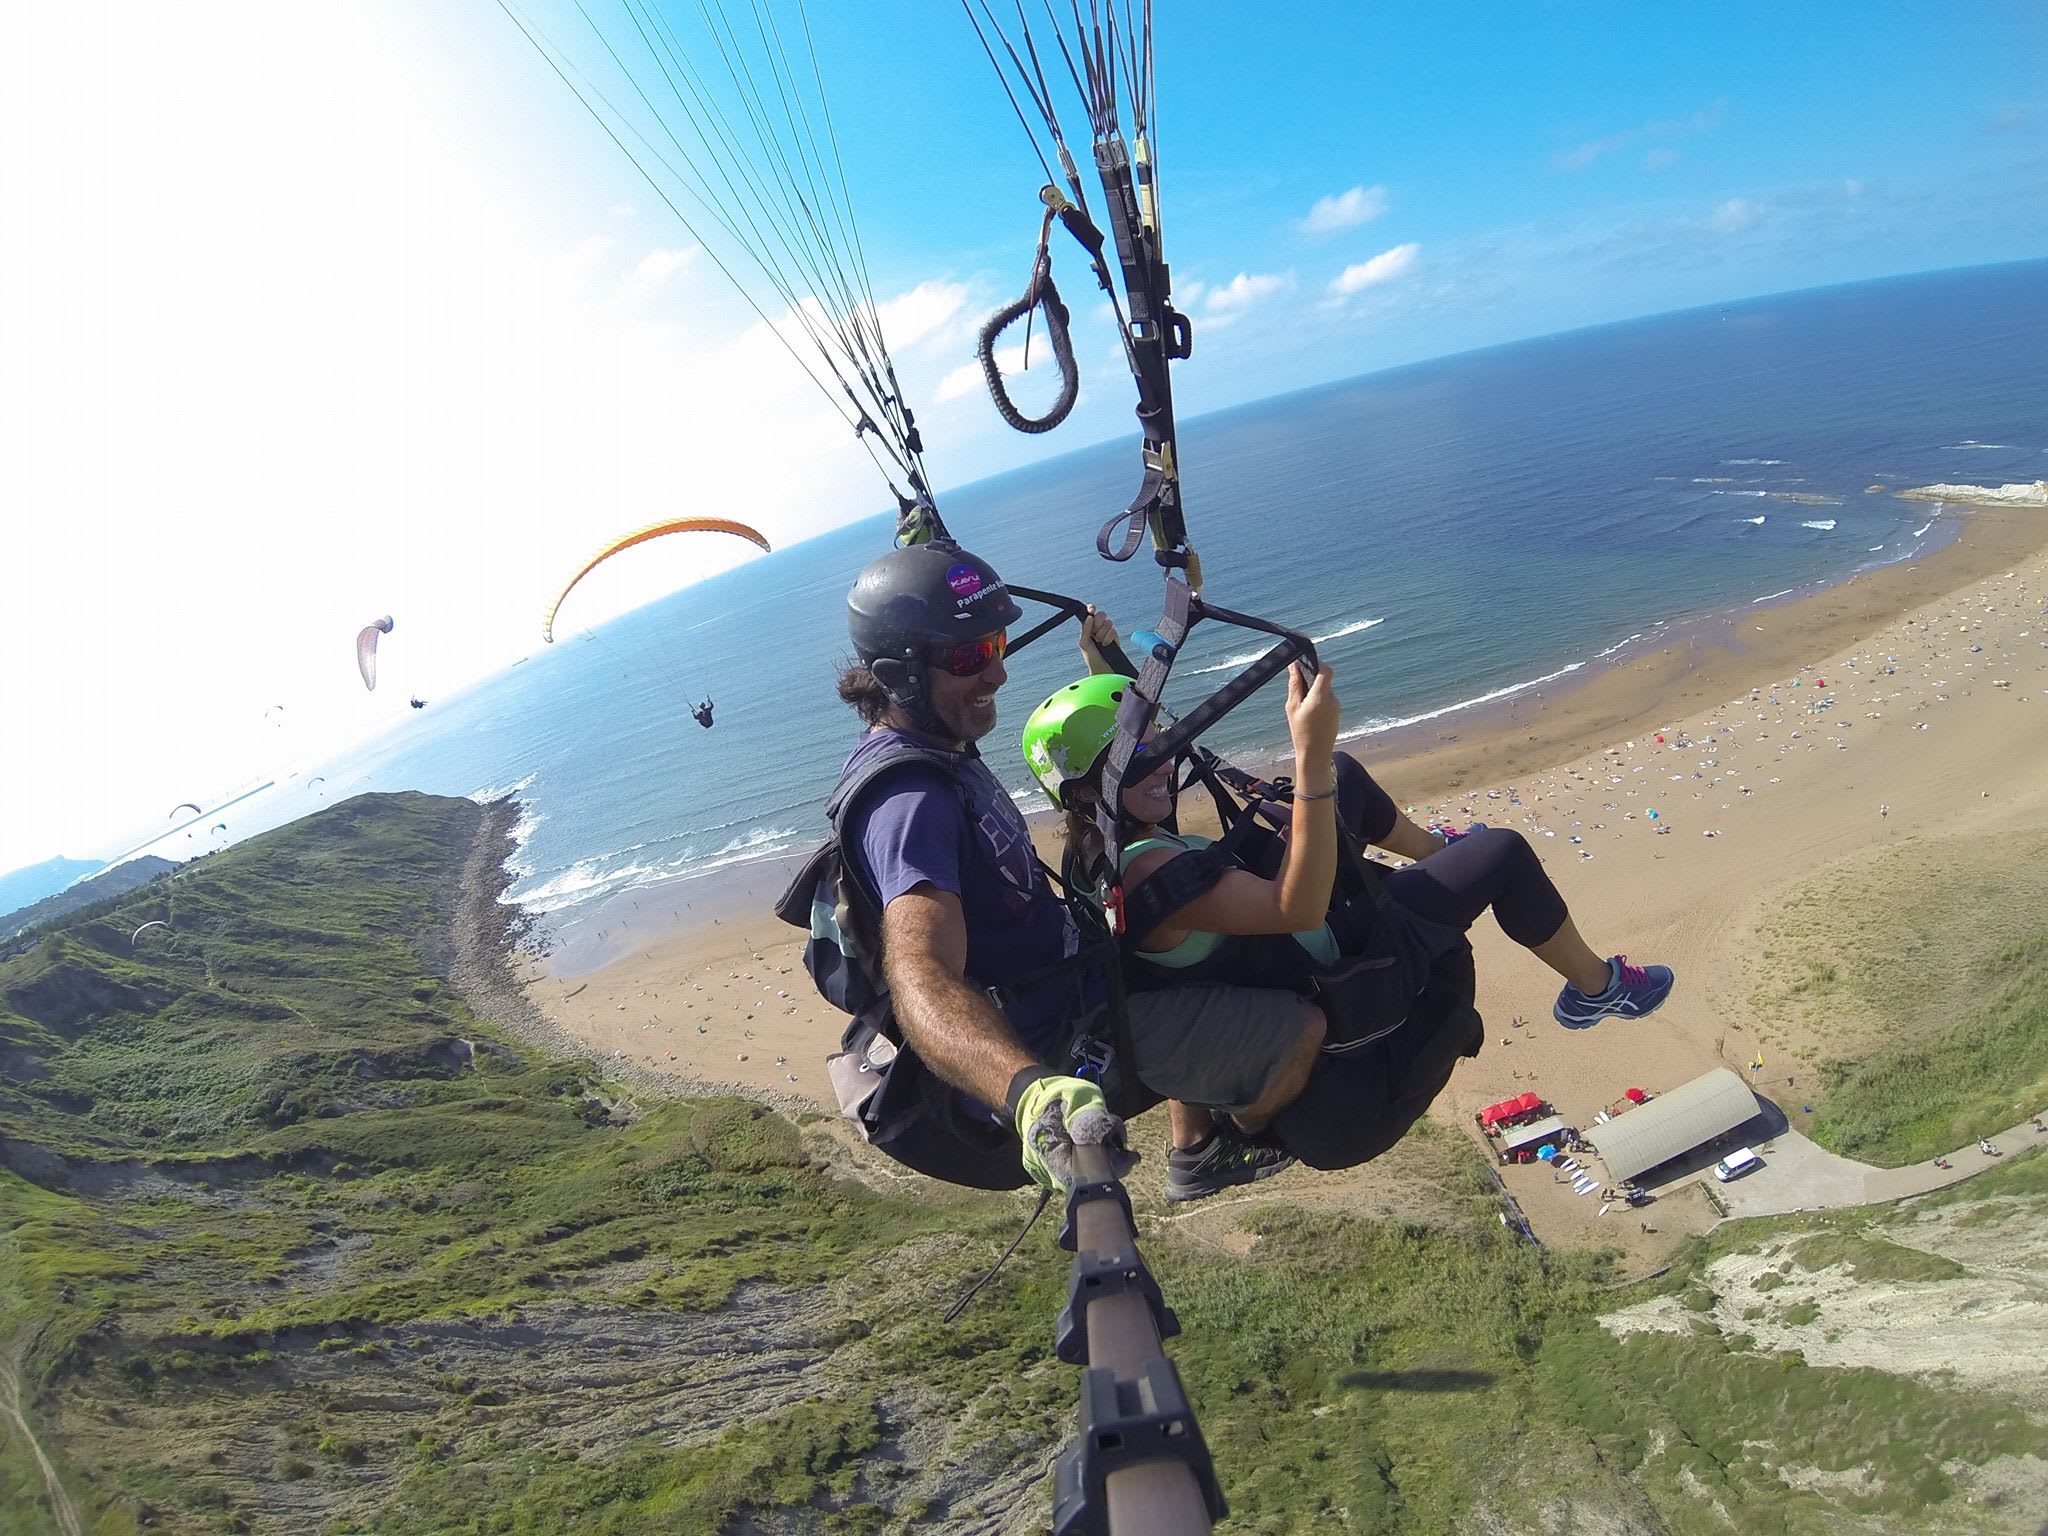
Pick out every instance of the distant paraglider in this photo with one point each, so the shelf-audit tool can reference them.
(185, 805)
(366, 649)
(418, 702)
(641, 536)
(161, 922)
(703, 714)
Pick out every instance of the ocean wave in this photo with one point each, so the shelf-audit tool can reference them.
(1742, 493)
(1805, 498)
(1921, 531)
(1753, 461)
(1971, 442)
(761, 843)
(1768, 596)
(492, 792)
(1756, 522)
(1233, 663)
(1374, 727)
(588, 880)
(581, 882)
(1873, 549)
(1713, 479)
(1618, 645)
(1824, 524)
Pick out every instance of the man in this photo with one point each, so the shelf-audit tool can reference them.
(966, 907)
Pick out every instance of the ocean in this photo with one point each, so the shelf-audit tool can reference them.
(1449, 532)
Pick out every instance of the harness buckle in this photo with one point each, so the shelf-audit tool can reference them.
(1090, 1058)
(1112, 897)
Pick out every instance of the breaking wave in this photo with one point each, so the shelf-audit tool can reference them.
(1232, 663)
(1374, 727)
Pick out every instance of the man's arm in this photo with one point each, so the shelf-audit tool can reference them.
(953, 1026)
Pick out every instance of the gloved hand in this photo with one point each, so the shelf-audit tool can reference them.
(1053, 1116)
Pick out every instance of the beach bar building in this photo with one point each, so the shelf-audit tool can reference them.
(1519, 1143)
(1674, 1123)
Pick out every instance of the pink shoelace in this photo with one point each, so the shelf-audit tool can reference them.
(1631, 975)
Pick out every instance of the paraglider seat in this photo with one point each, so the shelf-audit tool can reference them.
(1358, 1105)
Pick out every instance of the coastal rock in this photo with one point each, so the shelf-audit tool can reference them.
(2017, 494)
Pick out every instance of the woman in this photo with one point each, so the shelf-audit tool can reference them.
(1430, 903)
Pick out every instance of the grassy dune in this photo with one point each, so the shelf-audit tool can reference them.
(1919, 978)
(291, 1241)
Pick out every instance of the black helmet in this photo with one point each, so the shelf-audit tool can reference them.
(913, 599)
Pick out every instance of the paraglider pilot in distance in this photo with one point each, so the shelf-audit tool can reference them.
(702, 712)
(968, 916)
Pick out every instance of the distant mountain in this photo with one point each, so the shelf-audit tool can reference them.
(21, 886)
(68, 897)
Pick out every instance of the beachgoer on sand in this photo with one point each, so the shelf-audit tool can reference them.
(997, 1061)
(1218, 920)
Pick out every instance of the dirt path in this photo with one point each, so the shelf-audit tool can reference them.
(61, 1507)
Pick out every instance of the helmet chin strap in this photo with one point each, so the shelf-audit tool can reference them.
(904, 682)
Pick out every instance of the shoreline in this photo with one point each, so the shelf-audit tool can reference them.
(1689, 663)
(1677, 798)
(1700, 661)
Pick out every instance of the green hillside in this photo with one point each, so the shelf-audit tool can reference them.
(291, 1241)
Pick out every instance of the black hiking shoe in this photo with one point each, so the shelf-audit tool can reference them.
(1224, 1161)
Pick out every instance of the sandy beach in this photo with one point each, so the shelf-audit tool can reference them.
(1673, 795)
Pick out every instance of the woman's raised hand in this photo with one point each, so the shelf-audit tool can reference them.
(1313, 712)
(1097, 630)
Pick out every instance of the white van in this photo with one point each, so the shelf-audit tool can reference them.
(1736, 1164)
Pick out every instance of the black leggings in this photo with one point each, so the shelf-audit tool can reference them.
(1496, 868)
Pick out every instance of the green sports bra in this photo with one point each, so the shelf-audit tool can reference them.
(1198, 946)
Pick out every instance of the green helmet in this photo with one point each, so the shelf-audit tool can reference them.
(1066, 735)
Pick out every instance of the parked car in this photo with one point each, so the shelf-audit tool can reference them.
(1736, 1164)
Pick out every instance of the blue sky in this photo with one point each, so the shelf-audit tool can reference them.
(1552, 165)
(326, 310)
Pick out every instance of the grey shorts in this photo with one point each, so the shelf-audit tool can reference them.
(1219, 1046)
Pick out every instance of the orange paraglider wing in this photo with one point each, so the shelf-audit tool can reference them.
(641, 536)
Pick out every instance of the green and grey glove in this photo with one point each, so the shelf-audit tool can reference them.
(1055, 1114)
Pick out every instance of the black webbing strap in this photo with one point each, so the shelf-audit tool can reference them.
(1038, 294)
(1133, 718)
(1180, 880)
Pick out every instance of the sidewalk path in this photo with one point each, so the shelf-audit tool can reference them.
(1797, 1175)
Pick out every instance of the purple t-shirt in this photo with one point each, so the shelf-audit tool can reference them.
(911, 828)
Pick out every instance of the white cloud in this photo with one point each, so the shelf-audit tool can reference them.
(910, 319)
(657, 269)
(1583, 155)
(968, 379)
(1383, 268)
(1346, 210)
(1735, 216)
(1660, 159)
(398, 381)
(1578, 158)
(1245, 290)
(1187, 296)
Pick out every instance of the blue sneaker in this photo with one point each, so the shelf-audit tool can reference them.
(1635, 990)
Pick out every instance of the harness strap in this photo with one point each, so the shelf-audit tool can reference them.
(1178, 881)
